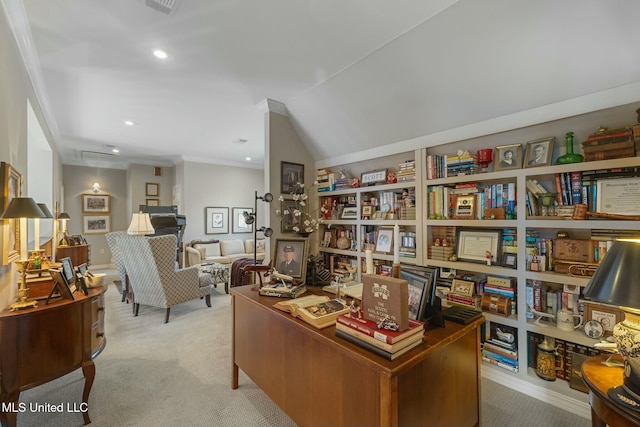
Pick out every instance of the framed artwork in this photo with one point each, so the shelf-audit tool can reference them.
(421, 286)
(96, 203)
(96, 224)
(239, 225)
(216, 220)
(11, 188)
(463, 287)
(290, 175)
(152, 189)
(508, 157)
(152, 202)
(349, 212)
(291, 257)
(539, 152)
(510, 260)
(288, 220)
(384, 240)
(60, 284)
(478, 245)
(374, 177)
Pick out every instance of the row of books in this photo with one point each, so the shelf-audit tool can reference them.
(545, 298)
(406, 171)
(442, 200)
(385, 343)
(326, 180)
(501, 347)
(451, 165)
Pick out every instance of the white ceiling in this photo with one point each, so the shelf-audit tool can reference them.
(354, 74)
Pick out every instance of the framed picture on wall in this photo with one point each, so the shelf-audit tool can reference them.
(153, 202)
(96, 224)
(11, 188)
(239, 223)
(216, 220)
(291, 174)
(152, 189)
(96, 203)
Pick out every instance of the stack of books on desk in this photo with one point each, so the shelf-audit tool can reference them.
(383, 342)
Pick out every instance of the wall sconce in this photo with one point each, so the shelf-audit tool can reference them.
(22, 208)
(96, 187)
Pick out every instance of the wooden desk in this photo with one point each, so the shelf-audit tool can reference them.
(600, 378)
(40, 344)
(319, 379)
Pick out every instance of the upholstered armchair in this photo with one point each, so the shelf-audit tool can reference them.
(151, 267)
(117, 259)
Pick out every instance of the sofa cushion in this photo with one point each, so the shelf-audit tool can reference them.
(231, 247)
(210, 249)
(219, 259)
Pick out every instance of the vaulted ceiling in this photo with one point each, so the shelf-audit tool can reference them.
(354, 75)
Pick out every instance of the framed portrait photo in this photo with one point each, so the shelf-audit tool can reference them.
(216, 220)
(508, 157)
(239, 224)
(96, 203)
(291, 258)
(290, 175)
(539, 152)
(96, 224)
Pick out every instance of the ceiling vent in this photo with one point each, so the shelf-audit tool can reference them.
(89, 156)
(167, 7)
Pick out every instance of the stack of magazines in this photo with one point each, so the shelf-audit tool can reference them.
(383, 342)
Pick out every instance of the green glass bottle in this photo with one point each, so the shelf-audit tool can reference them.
(570, 156)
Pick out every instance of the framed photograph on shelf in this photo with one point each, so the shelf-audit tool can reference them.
(508, 157)
(349, 212)
(96, 224)
(152, 189)
(510, 260)
(11, 188)
(290, 175)
(96, 203)
(463, 287)
(421, 287)
(539, 152)
(216, 220)
(478, 245)
(152, 202)
(239, 225)
(384, 240)
(374, 177)
(291, 257)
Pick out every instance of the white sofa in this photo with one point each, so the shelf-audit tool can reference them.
(221, 251)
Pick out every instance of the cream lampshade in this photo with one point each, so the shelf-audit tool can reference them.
(140, 224)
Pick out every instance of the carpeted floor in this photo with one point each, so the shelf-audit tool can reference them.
(178, 374)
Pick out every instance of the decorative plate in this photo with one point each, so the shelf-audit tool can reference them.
(343, 243)
(593, 329)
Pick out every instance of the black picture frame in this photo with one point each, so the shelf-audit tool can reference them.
(421, 280)
(60, 284)
(290, 175)
(510, 260)
(68, 270)
(300, 248)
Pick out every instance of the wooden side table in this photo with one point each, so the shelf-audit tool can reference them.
(600, 378)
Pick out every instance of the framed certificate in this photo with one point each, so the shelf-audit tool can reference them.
(478, 245)
(618, 196)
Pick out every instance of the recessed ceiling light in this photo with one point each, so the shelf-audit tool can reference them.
(115, 150)
(239, 141)
(129, 123)
(248, 159)
(160, 54)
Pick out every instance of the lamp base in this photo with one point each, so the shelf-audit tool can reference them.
(627, 333)
(23, 304)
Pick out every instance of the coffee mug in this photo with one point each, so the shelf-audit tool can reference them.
(565, 320)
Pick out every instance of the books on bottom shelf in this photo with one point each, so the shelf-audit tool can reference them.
(375, 349)
(370, 328)
(500, 364)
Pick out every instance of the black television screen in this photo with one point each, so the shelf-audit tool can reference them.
(68, 271)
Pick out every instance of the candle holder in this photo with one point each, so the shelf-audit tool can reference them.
(548, 202)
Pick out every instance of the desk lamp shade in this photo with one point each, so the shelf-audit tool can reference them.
(63, 216)
(45, 210)
(22, 207)
(140, 224)
(617, 282)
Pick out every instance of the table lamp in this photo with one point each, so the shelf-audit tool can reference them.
(63, 217)
(22, 208)
(140, 224)
(616, 282)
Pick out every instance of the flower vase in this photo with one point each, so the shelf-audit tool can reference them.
(570, 156)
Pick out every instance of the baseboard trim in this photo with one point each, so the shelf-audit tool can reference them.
(554, 398)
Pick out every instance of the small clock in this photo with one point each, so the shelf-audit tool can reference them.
(593, 329)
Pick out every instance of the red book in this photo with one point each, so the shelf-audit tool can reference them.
(370, 328)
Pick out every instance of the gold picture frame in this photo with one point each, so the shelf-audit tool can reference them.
(96, 203)
(11, 188)
(465, 207)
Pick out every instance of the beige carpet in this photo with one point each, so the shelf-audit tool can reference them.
(178, 374)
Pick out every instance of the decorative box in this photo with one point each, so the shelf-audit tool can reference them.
(498, 304)
(580, 250)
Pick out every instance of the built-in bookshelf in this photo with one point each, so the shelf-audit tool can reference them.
(528, 231)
